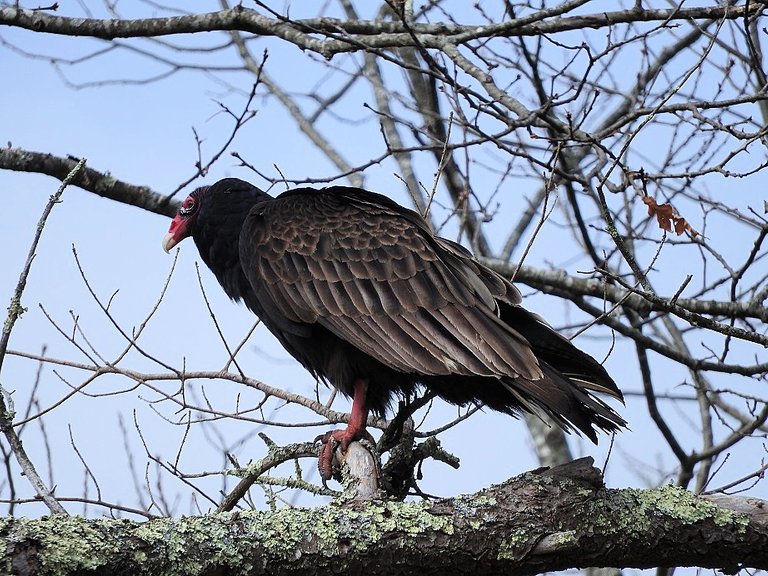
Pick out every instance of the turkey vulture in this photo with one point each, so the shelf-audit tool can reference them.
(362, 293)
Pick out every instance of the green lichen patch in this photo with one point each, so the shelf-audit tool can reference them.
(468, 505)
(188, 546)
(15, 311)
(64, 545)
(632, 510)
(192, 545)
(562, 539)
(684, 506)
(514, 544)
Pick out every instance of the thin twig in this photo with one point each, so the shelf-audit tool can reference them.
(15, 310)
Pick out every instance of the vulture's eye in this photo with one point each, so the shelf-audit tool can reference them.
(188, 207)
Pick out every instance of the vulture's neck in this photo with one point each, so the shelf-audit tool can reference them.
(218, 239)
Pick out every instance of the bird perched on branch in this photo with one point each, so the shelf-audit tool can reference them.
(361, 292)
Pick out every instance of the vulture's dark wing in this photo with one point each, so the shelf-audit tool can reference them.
(371, 272)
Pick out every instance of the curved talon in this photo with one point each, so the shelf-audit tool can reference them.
(325, 458)
(337, 438)
(331, 440)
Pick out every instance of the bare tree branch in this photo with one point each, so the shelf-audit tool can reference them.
(100, 183)
(371, 34)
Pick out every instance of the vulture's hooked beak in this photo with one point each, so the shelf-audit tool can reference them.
(169, 242)
(176, 233)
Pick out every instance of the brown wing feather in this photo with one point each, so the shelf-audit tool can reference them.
(377, 278)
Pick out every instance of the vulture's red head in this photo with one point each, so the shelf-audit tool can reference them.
(183, 223)
(213, 214)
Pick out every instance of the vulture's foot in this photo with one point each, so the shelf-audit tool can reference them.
(358, 419)
(338, 439)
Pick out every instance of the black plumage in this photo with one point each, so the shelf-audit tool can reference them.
(360, 291)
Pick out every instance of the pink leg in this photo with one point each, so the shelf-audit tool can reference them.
(355, 430)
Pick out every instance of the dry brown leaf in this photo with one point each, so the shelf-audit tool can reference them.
(666, 218)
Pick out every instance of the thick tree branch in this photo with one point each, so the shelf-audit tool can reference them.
(100, 183)
(366, 33)
(540, 521)
(546, 279)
